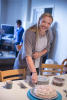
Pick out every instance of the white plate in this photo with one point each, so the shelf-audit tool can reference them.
(43, 79)
(31, 91)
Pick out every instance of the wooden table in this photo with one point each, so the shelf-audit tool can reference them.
(17, 93)
(61, 88)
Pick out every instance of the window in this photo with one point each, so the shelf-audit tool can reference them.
(38, 11)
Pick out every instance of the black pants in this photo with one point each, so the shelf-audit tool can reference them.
(17, 53)
(44, 58)
(37, 69)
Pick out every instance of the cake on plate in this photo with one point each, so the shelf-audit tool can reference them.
(45, 91)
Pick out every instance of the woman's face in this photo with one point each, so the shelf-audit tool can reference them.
(44, 24)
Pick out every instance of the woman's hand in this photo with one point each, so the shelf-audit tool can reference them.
(36, 55)
(39, 54)
(34, 77)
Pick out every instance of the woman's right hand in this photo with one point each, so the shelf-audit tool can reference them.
(34, 77)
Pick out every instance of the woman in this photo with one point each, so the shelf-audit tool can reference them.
(36, 44)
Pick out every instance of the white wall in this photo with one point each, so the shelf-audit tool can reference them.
(13, 10)
(60, 16)
(3, 11)
(0, 11)
(59, 51)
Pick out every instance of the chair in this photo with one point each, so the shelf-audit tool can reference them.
(12, 74)
(64, 62)
(51, 69)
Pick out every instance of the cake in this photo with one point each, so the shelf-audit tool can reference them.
(45, 91)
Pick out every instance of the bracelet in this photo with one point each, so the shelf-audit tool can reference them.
(34, 72)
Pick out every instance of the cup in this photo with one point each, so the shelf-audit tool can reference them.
(9, 84)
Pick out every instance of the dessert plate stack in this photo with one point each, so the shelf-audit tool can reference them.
(43, 80)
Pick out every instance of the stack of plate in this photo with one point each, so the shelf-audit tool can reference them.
(43, 80)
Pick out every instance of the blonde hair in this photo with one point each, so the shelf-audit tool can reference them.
(45, 14)
(35, 28)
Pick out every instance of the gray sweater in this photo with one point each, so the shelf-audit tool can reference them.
(28, 48)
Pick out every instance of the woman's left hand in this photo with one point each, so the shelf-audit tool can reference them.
(36, 55)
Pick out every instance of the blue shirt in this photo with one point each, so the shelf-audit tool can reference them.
(18, 35)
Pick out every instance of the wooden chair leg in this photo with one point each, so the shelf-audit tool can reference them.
(0, 76)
